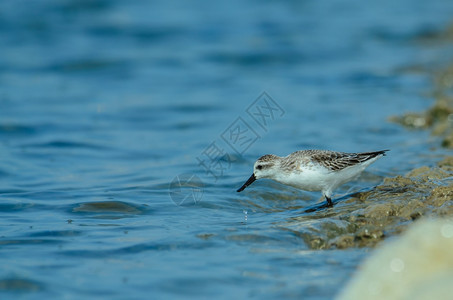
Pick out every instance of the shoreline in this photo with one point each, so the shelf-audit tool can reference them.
(368, 218)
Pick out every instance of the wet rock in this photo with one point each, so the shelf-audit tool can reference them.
(445, 210)
(205, 236)
(107, 206)
(381, 210)
(447, 164)
(317, 243)
(418, 171)
(424, 174)
(342, 242)
(439, 118)
(413, 210)
(411, 120)
(369, 235)
(440, 195)
(19, 285)
(447, 142)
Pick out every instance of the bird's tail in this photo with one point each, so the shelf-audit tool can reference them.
(374, 153)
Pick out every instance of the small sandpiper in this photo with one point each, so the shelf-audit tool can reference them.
(313, 170)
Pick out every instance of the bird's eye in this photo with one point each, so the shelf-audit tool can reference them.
(259, 167)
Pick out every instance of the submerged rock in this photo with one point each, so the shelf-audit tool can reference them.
(439, 118)
(417, 265)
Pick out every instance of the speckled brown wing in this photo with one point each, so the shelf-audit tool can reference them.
(336, 161)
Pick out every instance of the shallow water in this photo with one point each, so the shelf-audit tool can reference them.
(105, 105)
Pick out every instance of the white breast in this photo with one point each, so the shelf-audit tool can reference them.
(308, 178)
(314, 177)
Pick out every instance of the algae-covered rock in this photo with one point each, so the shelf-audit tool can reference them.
(439, 118)
(380, 211)
(343, 241)
(414, 209)
(447, 142)
(440, 195)
(447, 163)
(446, 210)
(411, 120)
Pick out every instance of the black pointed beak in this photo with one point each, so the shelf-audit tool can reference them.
(247, 183)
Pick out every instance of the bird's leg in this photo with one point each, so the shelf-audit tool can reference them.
(329, 201)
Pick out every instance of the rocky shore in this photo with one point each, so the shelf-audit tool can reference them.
(369, 217)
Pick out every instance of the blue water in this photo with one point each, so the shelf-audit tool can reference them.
(104, 103)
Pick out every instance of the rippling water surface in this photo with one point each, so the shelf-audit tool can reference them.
(108, 107)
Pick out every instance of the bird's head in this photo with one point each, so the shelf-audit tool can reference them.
(263, 168)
